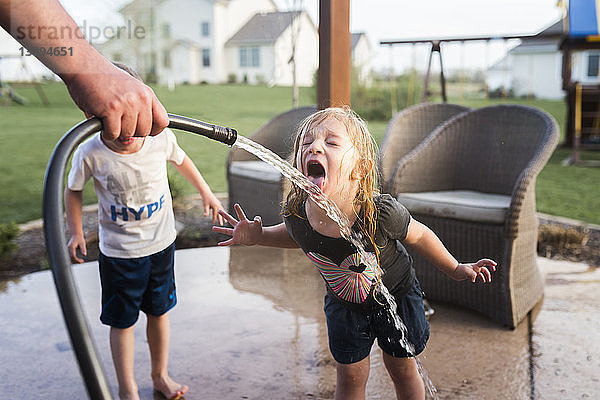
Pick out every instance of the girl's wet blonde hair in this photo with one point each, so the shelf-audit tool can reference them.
(365, 168)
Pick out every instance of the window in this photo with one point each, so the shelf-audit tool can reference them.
(167, 58)
(166, 31)
(255, 57)
(206, 57)
(205, 29)
(249, 57)
(593, 61)
(243, 57)
(140, 20)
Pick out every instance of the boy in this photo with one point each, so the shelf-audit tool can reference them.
(137, 234)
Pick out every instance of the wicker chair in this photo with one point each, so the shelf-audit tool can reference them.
(472, 181)
(407, 129)
(253, 183)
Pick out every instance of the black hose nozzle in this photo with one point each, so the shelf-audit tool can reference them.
(214, 132)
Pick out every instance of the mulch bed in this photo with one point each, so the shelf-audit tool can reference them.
(31, 255)
(559, 239)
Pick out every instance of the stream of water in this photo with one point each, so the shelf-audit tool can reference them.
(337, 216)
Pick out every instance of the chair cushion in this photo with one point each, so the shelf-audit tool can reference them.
(463, 205)
(256, 170)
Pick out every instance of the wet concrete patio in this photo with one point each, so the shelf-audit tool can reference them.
(249, 325)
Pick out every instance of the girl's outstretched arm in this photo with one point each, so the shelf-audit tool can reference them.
(252, 233)
(422, 239)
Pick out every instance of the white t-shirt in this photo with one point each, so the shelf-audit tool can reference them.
(135, 212)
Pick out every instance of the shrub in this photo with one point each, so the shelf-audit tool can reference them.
(372, 103)
(8, 232)
(260, 79)
(501, 92)
(383, 97)
(151, 78)
(231, 78)
(558, 240)
(375, 102)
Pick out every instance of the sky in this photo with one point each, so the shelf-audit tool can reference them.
(400, 20)
(403, 19)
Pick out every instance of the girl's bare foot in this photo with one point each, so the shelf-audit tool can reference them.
(169, 388)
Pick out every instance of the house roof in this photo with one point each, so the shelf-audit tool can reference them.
(264, 28)
(548, 36)
(546, 40)
(186, 43)
(134, 3)
(500, 65)
(355, 37)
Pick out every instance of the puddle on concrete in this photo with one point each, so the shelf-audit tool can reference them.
(567, 332)
(248, 324)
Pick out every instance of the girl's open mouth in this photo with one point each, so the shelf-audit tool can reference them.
(315, 172)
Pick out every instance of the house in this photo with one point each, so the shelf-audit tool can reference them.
(196, 41)
(361, 58)
(263, 50)
(184, 40)
(534, 67)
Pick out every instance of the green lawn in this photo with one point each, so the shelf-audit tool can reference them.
(29, 133)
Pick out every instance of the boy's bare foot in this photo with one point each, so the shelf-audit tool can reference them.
(169, 388)
(129, 395)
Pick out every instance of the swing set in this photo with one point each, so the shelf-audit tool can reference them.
(436, 47)
(581, 32)
(9, 95)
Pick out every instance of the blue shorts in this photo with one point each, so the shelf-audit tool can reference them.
(133, 284)
(352, 331)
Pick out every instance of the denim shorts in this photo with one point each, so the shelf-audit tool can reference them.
(352, 331)
(133, 284)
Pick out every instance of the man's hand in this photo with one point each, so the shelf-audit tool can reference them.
(126, 106)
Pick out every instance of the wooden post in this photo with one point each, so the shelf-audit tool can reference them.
(442, 78)
(577, 138)
(435, 47)
(426, 82)
(333, 83)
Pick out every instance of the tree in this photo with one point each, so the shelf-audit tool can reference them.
(295, 23)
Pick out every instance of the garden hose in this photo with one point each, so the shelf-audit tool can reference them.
(58, 256)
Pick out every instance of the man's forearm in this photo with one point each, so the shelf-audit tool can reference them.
(126, 106)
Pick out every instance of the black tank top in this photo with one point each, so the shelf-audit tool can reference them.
(346, 275)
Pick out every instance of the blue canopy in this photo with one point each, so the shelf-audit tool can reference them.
(583, 17)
